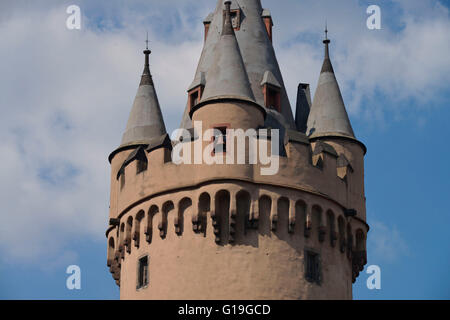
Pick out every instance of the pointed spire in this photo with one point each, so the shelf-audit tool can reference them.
(328, 116)
(257, 52)
(146, 123)
(327, 66)
(228, 76)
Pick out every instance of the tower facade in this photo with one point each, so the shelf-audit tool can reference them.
(229, 229)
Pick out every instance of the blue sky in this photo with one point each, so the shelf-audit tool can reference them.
(66, 95)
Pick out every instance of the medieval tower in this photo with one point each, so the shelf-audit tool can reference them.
(229, 231)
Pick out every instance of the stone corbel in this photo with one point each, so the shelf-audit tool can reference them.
(308, 222)
(274, 215)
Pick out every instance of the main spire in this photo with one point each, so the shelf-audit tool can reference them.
(256, 50)
(228, 76)
(145, 124)
(328, 116)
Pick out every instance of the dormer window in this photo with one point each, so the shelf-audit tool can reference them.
(273, 98)
(271, 91)
(194, 97)
(141, 161)
(195, 91)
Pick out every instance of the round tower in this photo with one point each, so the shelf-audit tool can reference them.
(329, 126)
(229, 230)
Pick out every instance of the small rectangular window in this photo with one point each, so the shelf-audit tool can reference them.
(312, 267)
(220, 140)
(142, 280)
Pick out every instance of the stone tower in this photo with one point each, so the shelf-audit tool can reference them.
(230, 231)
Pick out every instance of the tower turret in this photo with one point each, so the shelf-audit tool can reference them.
(328, 122)
(227, 93)
(145, 141)
(328, 115)
(145, 124)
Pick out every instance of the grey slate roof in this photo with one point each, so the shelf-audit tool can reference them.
(198, 81)
(145, 124)
(269, 78)
(227, 76)
(328, 116)
(257, 53)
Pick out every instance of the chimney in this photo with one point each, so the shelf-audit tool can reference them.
(303, 106)
(267, 18)
(207, 24)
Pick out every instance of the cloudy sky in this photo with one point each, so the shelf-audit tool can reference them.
(65, 96)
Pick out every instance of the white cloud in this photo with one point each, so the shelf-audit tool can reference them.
(385, 244)
(407, 61)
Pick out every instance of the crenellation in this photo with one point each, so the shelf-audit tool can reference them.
(290, 209)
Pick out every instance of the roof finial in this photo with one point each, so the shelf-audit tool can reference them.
(326, 42)
(146, 76)
(327, 67)
(227, 23)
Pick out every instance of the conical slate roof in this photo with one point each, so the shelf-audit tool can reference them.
(145, 123)
(257, 53)
(227, 76)
(328, 116)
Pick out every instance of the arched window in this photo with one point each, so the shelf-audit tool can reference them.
(199, 222)
(220, 217)
(349, 241)
(317, 222)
